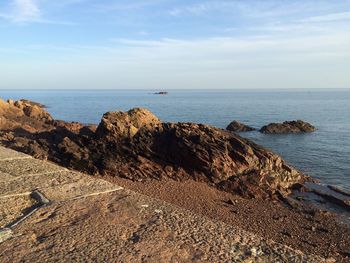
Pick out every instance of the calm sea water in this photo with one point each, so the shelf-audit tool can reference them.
(324, 154)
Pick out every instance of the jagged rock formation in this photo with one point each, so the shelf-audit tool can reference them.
(298, 126)
(136, 145)
(215, 156)
(25, 114)
(237, 126)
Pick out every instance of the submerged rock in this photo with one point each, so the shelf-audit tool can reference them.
(237, 126)
(298, 126)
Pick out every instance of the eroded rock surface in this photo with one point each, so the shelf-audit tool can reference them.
(137, 145)
(298, 126)
(237, 126)
(23, 113)
(124, 125)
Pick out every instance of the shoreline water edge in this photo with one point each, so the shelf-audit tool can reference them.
(138, 150)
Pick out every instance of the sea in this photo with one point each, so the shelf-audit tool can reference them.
(324, 154)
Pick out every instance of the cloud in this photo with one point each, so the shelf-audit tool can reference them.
(25, 10)
(327, 10)
(230, 47)
(274, 62)
(201, 8)
(126, 5)
(217, 38)
(28, 11)
(328, 18)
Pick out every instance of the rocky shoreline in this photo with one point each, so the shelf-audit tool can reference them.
(137, 149)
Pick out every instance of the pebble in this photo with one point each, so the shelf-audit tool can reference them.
(5, 234)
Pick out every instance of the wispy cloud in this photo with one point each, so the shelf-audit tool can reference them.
(328, 18)
(25, 10)
(204, 7)
(125, 5)
(28, 11)
(208, 62)
(266, 8)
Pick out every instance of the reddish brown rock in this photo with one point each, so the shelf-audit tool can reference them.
(216, 156)
(23, 114)
(121, 125)
(298, 126)
(136, 145)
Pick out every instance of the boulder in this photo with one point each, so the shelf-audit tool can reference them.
(124, 125)
(237, 126)
(32, 103)
(298, 126)
(36, 112)
(23, 114)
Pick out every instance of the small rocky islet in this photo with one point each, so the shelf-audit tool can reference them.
(236, 126)
(138, 147)
(287, 127)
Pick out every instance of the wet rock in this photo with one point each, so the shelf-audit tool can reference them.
(237, 126)
(298, 126)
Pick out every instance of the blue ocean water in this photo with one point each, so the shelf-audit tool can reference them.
(324, 154)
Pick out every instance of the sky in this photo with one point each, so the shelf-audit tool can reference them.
(174, 44)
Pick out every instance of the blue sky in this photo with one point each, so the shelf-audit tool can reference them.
(161, 44)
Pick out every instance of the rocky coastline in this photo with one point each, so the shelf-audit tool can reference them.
(141, 152)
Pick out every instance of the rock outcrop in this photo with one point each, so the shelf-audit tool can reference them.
(123, 125)
(23, 114)
(237, 126)
(136, 145)
(298, 126)
(215, 156)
